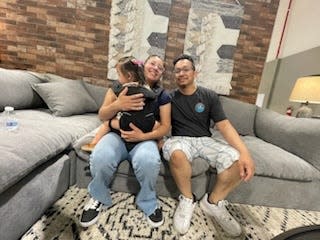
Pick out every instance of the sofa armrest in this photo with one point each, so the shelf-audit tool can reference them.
(299, 136)
(240, 114)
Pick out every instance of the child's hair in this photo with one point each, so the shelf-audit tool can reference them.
(133, 66)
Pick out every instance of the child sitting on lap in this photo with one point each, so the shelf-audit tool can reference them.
(131, 76)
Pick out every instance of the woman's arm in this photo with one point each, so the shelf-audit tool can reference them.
(113, 104)
(163, 129)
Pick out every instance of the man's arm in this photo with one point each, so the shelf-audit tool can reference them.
(246, 163)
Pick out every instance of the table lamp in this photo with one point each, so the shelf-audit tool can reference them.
(306, 90)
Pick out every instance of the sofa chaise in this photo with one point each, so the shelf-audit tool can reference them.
(37, 162)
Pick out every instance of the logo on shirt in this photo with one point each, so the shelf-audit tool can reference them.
(199, 107)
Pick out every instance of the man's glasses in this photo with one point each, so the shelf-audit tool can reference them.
(183, 70)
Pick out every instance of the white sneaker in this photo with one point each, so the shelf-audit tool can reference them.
(182, 216)
(221, 215)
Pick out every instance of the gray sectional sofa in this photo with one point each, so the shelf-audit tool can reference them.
(57, 116)
(37, 162)
(285, 149)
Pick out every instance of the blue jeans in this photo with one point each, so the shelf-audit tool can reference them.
(104, 161)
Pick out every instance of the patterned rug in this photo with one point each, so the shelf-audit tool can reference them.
(124, 221)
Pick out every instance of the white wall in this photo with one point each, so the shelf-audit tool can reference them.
(302, 30)
(298, 56)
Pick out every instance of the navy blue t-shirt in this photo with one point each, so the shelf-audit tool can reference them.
(162, 98)
(191, 114)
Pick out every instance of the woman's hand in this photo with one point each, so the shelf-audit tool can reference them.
(135, 135)
(130, 103)
(113, 104)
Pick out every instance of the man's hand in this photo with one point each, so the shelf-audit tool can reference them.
(135, 135)
(247, 167)
(130, 103)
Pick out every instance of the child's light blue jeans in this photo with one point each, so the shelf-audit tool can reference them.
(104, 161)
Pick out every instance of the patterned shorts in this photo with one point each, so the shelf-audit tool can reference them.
(218, 153)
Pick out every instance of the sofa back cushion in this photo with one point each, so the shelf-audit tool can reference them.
(16, 90)
(273, 161)
(299, 136)
(97, 92)
(240, 114)
(66, 98)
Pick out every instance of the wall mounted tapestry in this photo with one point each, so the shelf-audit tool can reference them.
(212, 34)
(137, 28)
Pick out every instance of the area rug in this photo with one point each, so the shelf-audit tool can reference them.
(123, 221)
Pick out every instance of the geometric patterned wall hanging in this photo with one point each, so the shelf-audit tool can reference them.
(137, 28)
(211, 38)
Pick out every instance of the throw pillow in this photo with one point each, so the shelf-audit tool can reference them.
(16, 90)
(97, 92)
(66, 98)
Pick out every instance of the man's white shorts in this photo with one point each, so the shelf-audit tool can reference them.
(218, 153)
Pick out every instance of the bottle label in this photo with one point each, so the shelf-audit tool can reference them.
(12, 124)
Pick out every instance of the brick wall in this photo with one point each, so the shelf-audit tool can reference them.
(66, 37)
(252, 48)
(70, 38)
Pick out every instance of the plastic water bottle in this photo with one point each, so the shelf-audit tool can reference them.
(11, 122)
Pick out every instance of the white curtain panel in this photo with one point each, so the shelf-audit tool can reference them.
(212, 34)
(137, 28)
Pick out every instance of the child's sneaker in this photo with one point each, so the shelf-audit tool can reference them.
(156, 218)
(90, 213)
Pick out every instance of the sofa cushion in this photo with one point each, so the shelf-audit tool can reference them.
(40, 137)
(66, 98)
(299, 136)
(16, 90)
(240, 114)
(97, 92)
(273, 161)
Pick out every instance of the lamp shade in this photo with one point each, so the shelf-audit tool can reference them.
(306, 90)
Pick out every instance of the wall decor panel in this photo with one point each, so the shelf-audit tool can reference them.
(211, 37)
(137, 28)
